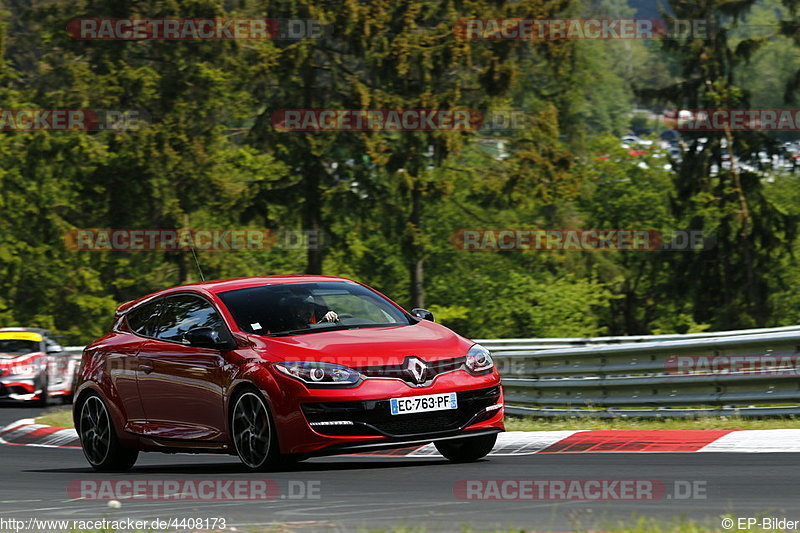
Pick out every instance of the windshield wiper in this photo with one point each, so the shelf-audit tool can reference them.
(306, 331)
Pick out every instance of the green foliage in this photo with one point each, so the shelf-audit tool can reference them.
(728, 284)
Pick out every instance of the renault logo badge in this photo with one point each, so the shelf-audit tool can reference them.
(417, 368)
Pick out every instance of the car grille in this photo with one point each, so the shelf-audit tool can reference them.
(431, 423)
(373, 418)
(434, 368)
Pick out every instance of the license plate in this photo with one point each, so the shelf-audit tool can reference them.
(424, 404)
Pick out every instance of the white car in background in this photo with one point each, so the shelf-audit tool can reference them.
(34, 367)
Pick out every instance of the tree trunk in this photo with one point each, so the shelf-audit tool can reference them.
(312, 214)
(312, 221)
(416, 262)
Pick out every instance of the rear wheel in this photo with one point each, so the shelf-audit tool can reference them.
(253, 432)
(467, 449)
(99, 440)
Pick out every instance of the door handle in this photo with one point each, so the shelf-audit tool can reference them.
(146, 368)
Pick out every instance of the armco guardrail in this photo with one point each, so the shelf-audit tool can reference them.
(746, 373)
(509, 345)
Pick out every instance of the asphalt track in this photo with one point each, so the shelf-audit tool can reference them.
(366, 492)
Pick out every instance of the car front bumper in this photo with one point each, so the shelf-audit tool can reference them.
(301, 413)
(12, 388)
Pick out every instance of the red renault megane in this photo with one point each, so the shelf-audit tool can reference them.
(279, 368)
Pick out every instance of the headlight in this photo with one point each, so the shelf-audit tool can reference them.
(479, 360)
(319, 374)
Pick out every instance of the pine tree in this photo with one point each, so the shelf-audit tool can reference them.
(730, 279)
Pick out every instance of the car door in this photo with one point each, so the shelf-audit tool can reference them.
(123, 361)
(181, 386)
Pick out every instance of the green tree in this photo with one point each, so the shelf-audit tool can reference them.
(730, 282)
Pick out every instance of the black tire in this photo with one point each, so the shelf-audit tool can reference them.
(468, 449)
(253, 433)
(99, 439)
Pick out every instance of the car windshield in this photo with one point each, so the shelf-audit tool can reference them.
(18, 346)
(301, 308)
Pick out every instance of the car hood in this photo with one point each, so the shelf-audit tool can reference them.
(369, 346)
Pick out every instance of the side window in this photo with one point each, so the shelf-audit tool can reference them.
(142, 320)
(182, 313)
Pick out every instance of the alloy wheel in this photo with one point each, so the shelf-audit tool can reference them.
(251, 430)
(95, 430)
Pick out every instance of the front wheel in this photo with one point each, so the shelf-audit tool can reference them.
(468, 449)
(99, 440)
(253, 432)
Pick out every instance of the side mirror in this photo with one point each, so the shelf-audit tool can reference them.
(424, 314)
(54, 348)
(205, 337)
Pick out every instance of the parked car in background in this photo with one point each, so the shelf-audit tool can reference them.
(275, 369)
(34, 367)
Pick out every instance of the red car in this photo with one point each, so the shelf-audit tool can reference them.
(281, 368)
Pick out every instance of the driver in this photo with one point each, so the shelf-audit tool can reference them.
(303, 311)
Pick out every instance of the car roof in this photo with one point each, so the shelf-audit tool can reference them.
(42, 333)
(223, 285)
